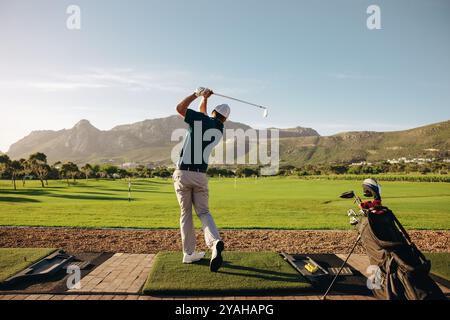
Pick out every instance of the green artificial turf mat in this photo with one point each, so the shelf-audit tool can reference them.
(14, 260)
(440, 264)
(241, 273)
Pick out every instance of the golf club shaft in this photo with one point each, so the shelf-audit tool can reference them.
(239, 100)
(340, 269)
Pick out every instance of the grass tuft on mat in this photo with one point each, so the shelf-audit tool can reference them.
(241, 273)
(14, 260)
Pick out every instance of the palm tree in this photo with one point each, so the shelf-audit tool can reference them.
(87, 170)
(16, 169)
(25, 170)
(39, 166)
(5, 165)
(70, 169)
(95, 171)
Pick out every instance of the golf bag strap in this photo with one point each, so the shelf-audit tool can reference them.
(402, 229)
(408, 238)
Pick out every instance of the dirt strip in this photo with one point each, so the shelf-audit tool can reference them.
(152, 241)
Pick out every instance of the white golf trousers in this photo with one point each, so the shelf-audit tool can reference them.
(191, 188)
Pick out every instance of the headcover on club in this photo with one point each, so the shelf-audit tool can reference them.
(372, 188)
(347, 195)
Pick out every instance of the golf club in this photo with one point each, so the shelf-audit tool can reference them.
(265, 112)
(340, 269)
(353, 221)
(350, 195)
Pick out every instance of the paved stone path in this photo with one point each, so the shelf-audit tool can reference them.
(122, 273)
(139, 297)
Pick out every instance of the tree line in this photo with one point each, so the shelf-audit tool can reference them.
(37, 167)
(382, 167)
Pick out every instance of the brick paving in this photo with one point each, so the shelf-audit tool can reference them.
(123, 273)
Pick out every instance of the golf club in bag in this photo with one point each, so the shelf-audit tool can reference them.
(353, 221)
(402, 271)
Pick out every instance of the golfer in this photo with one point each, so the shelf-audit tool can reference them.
(190, 180)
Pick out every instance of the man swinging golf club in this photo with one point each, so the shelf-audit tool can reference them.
(190, 180)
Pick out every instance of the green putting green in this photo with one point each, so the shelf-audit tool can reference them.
(13, 260)
(440, 264)
(241, 273)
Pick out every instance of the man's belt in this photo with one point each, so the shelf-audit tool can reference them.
(186, 167)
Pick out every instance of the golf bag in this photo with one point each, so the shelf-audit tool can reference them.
(402, 271)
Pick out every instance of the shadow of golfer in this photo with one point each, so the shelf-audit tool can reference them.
(251, 272)
(257, 273)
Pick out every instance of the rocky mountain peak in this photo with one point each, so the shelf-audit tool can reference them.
(83, 124)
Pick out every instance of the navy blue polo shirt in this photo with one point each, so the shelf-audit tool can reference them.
(193, 155)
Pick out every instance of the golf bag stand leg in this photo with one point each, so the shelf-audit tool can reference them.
(340, 269)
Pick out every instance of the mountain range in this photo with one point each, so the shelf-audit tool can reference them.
(431, 141)
(149, 141)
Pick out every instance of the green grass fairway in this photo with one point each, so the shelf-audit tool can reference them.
(13, 260)
(241, 273)
(440, 264)
(283, 203)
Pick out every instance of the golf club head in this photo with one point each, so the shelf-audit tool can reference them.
(347, 195)
(353, 221)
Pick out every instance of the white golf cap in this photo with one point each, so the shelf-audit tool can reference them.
(223, 109)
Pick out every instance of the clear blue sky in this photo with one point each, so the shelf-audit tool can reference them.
(314, 63)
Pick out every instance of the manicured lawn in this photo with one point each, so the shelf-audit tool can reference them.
(440, 264)
(284, 203)
(13, 260)
(242, 272)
